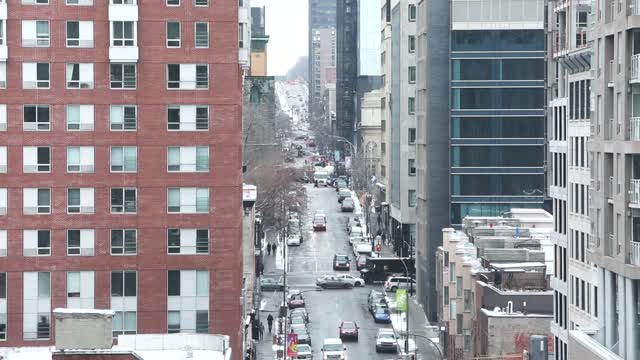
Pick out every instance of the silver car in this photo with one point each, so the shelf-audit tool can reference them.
(333, 282)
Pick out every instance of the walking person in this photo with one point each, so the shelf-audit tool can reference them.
(273, 248)
(270, 322)
(269, 249)
(261, 330)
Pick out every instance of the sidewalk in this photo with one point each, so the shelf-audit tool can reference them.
(418, 325)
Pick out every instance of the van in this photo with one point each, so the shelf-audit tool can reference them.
(394, 283)
(321, 177)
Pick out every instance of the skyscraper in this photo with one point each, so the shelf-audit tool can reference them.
(322, 15)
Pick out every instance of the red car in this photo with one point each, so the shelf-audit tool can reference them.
(319, 223)
(348, 330)
(295, 301)
(361, 262)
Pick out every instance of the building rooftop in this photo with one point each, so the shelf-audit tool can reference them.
(497, 312)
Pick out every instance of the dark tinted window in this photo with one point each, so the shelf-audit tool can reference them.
(497, 98)
(497, 184)
(497, 156)
(497, 40)
(497, 127)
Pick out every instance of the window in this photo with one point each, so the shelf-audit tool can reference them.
(467, 300)
(35, 2)
(412, 43)
(123, 118)
(412, 136)
(3, 75)
(36, 201)
(188, 200)
(202, 34)
(187, 158)
(184, 315)
(124, 283)
(36, 242)
(173, 34)
(80, 242)
(35, 76)
(124, 241)
(80, 289)
(412, 12)
(124, 159)
(3, 159)
(79, 76)
(36, 118)
(123, 201)
(123, 2)
(452, 272)
(412, 167)
(123, 33)
(187, 118)
(80, 2)
(36, 304)
(411, 105)
(36, 159)
(188, 241)
(173, 2)
(80, 159)
(35, 33)
(80, 34)
(2, 38)
(412, 74)
(73, 284)
(412, 198)
(202, 2)
(3, 244)
(187, 76)
(80, 201)
(445, 295)
(123, 76)
(3, 313)
(241, 35)
(79, 117)
(124, 322)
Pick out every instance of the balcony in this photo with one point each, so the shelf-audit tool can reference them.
(123, 12)
(634, 253)
(634, 7)
(560, 43)
(123, 54)
(635, 69)
(634, 193)
(634, 129)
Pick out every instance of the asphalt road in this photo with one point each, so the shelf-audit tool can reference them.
(327, 308)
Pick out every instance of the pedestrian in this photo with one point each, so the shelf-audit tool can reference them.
(273, 248)
(261, 268)
(261, 330)
(269, 249)
(270, 322)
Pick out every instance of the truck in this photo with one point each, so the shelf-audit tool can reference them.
(321, 177)
(377, 269)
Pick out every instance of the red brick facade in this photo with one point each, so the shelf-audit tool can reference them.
(224, 178)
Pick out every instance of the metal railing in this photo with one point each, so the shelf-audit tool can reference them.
(635, 67)
(560, 42)
(634, 191)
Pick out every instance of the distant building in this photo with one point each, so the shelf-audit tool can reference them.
(259, 123)
(346, 67)
(244, 35)
(324, 60)
(322, 15)
(259, 41)
(369, 133)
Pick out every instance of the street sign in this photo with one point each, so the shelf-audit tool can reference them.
(292, 344)
(401, 300)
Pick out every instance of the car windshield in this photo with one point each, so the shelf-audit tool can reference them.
(386, 335)
(332, 347)
(344, 192)
(342, 258)
(297, 320)
(304, 348)
(300, 331)
(348, 325)
(296, 297)
(382, 310)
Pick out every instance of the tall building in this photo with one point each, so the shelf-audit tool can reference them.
(121, 174)
(402, 184)
(322, 15)
(324, 61)
(614, 246)
(432, 146)
(244, 35)
(259, 41)
(385, 109)
(346, 66)
(568, 130)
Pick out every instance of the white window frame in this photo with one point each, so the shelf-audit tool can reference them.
(126, 248)
(123, 207)
(3, 159)
(85, 35)
(123, 2)
(79, 2)
(30, 75)
(86, 159)
(123, 160)
(3, 243)
(172, 3)
(80, 289)
(195, 2)
(121, 123)
(35, 39)
(39, 305)
(126, 83)
(177, 43)
(3, 75)
(195, 31)
(84, 120)
(87, 201)
(188, 77)
(187, 158)
(3, 115)
(123, 41)
(3, 201)
(86, 246)
(188, 118)
(32, 151)
(31, 243)
(3, 32)
(31, 202)
(186, 205)
(35, 2)
(85, 78)
(188, 243)
(37, 125)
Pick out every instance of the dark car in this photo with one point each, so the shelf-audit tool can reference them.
(343, 194)
(361, 262)
(348, 330)
(381, 314)
(319, 223)
(268, 284)
(347, 205)
(295, 301)
(341, 262)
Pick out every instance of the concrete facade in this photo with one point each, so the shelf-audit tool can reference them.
(385, 101)
(45, 274)
(369, 132)
(324, 61)
(322, 15)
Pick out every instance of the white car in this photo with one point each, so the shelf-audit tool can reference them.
(361, 249)
(355, 281)
(333, 348)
(394, 283)
(355, 230)
(293, 240)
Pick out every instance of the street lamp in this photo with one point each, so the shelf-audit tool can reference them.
(430, 341)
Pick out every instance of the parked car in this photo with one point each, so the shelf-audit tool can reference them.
(340, 184)
(297, 323)
(354, 281)
(319, 223)
(386, 341)
(304, 352)
(348, 330)
(347, 205)
(374, 299)
(294, 240)
(303, 336)
(341, 262)
(334, 349)
(361, 262)
(295, 301)
(343, 194)
(355, 230)
(299, 312)
(394, 283)
(381, 314)
(352, 222)
(269, 284)
(362, 248)
(332, 281)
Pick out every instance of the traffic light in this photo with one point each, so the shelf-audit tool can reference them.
(378, 248)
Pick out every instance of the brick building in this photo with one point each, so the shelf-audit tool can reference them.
(120, 165)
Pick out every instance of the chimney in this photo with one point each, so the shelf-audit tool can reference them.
(83, 329)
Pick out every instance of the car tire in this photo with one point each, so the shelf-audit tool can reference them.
(357, 284)
(323, 286)
(394, 288)
(377, 349)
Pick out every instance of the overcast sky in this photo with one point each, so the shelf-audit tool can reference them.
(287, 23)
